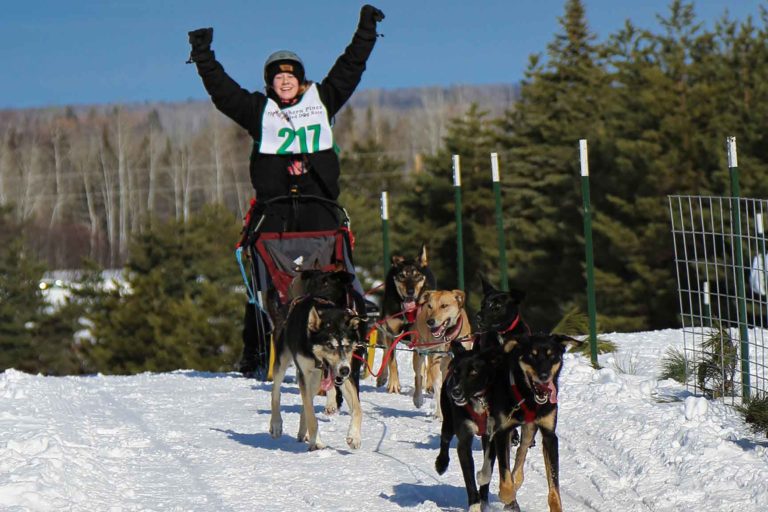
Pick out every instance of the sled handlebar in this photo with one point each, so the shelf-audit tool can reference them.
(293, 197)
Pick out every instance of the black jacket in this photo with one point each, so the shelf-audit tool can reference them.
(269, 173)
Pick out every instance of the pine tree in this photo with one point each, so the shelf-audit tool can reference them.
(424, 213)
(672, 105)
(21, 301)
(181, 307)
(562, 100)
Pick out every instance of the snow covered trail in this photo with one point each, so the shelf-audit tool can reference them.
(200, 442)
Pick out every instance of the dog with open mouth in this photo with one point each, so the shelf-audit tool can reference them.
(464, 401)
(525, 394)
(405, 282)
(336, 286)
(320, 338)
(440, 320)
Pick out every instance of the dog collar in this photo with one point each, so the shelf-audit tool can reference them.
(512, 325)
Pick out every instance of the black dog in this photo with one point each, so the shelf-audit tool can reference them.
(499, 317)
(500, 320)
(525, 394)
(404, 284)
(464, 402)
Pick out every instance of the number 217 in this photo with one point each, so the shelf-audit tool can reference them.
(301, 133)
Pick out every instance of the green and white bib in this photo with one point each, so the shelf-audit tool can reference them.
(301, 128)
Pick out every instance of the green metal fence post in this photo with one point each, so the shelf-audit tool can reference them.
(591, 309)
(385, 230)
(741, 298)
(495, 178)
(459, 228)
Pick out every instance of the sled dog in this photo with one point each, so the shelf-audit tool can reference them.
(404, 284)
(440, 320)
(319, 338)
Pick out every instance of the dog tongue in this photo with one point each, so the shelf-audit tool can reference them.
(409, 307)
(327, 381)
(552, 392)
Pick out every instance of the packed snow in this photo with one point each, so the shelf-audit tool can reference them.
(200, 442)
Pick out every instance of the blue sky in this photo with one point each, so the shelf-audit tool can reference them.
(58, 52)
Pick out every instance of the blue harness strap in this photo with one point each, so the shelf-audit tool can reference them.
(248, 286)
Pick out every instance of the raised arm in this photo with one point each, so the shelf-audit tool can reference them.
(345, 75)
(232, 100)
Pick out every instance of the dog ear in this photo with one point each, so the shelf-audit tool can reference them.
(347, 278)
(424, 297)
(487, 287)
(314, 321)
(396, 260)
(460, 297)
(423, 260)
(457, 348)
(568, 342)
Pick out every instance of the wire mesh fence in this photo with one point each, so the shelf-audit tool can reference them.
(720, 257)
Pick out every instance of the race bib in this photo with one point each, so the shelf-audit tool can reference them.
(301, 128)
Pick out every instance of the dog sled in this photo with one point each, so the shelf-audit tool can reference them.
(270, 261)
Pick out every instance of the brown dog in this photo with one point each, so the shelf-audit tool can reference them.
(440, 319)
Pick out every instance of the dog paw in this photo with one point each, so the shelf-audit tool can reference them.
(316, 446)
(331, 409)
(507, 489)
(476, 507)
(354, 442)
(441, 463)
(418, 401)
(393, 389)
(276, 430)
(380, 381)
(514, 507)
(483, 478)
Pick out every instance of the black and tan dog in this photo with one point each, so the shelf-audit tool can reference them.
(404, 284)
(319, 338)
(464, 401)
(524, 393)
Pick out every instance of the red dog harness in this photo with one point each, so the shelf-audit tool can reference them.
(481, 420)
(529, 415)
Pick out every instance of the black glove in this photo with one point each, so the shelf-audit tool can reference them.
(369, 16)
(200, 40)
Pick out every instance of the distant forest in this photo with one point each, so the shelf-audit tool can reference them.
(84, 178)
(117, 183)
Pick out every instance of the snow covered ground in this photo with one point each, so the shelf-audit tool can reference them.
(197, 441)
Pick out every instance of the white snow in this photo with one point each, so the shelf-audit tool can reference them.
(200, 442)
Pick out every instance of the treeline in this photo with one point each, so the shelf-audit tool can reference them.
(656, 107)
(85, 178)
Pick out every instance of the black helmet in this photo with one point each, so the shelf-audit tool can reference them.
(283, 61)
